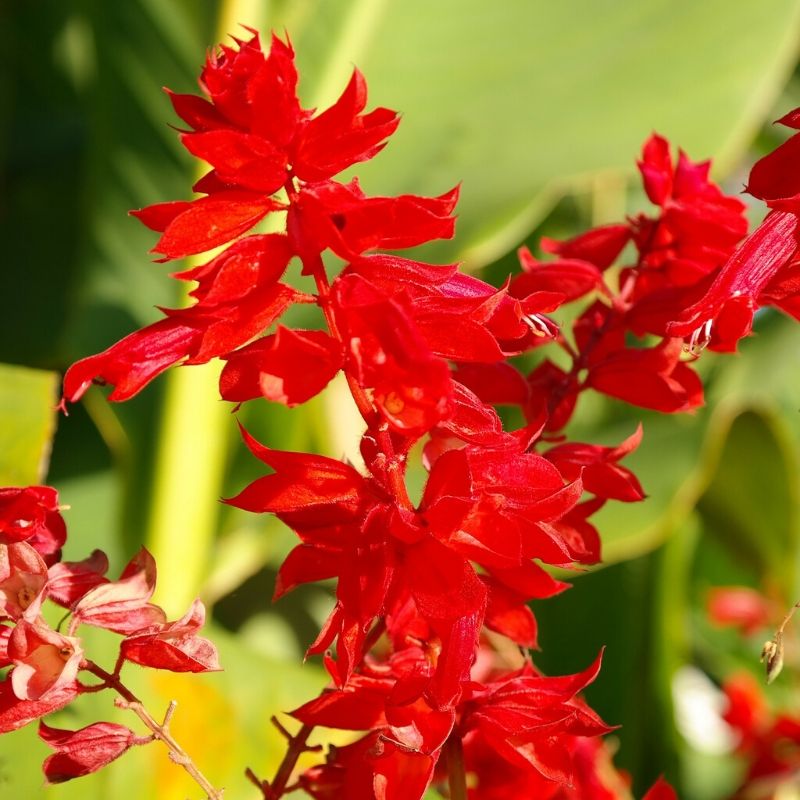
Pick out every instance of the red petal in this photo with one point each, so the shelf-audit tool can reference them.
(212, 221)
(288, 367)
(133, 362)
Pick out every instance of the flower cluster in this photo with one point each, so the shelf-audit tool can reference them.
(46, 663)
(768, 742)
(426, 591)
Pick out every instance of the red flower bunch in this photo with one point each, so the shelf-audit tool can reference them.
(424, 592)
(46, 663)
(768, 741)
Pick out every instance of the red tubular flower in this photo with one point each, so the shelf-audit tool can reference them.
(84, 751)
(410, 386)
(23, 581)
(599, 468)
(529, 719)
(287, 367)
(32, 515)
(725, 312)
(45, 662)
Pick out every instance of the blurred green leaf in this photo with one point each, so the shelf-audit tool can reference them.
(521, 100)
(27, 423)
(752, 500)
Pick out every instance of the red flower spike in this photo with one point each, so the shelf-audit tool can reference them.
(84, 751)
(174, 645)
(122, 606)
(16, 713)
(23, 581)
(288, 367)
(69, 581)
(32, 515)
(45, 662)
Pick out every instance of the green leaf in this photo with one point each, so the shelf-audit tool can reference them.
(752, 501)
(27, 423)
(522, 100)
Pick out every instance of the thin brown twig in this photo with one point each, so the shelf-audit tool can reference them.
(127, 699)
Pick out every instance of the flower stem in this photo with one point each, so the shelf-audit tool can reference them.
(297, 746)
(395, 468)
(160, 730)
(456, 770)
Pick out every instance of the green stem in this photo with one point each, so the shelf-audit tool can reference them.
(456, 769)
(195, 431)
(189, 468)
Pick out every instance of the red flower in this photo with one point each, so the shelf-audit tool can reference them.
(32, 515)
(740, 607)
(122, 606)
(84, 751)
(45, 662)
(173, 645)
(16, 713)
(23, 581)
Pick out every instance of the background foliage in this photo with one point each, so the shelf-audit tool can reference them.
(540, 109)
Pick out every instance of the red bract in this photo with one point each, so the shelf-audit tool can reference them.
(122, 606)
(174, 645)
(68, 581)
(373, 768)
(410, 386)
(16, 713)
(84, 751)
(599, 468)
